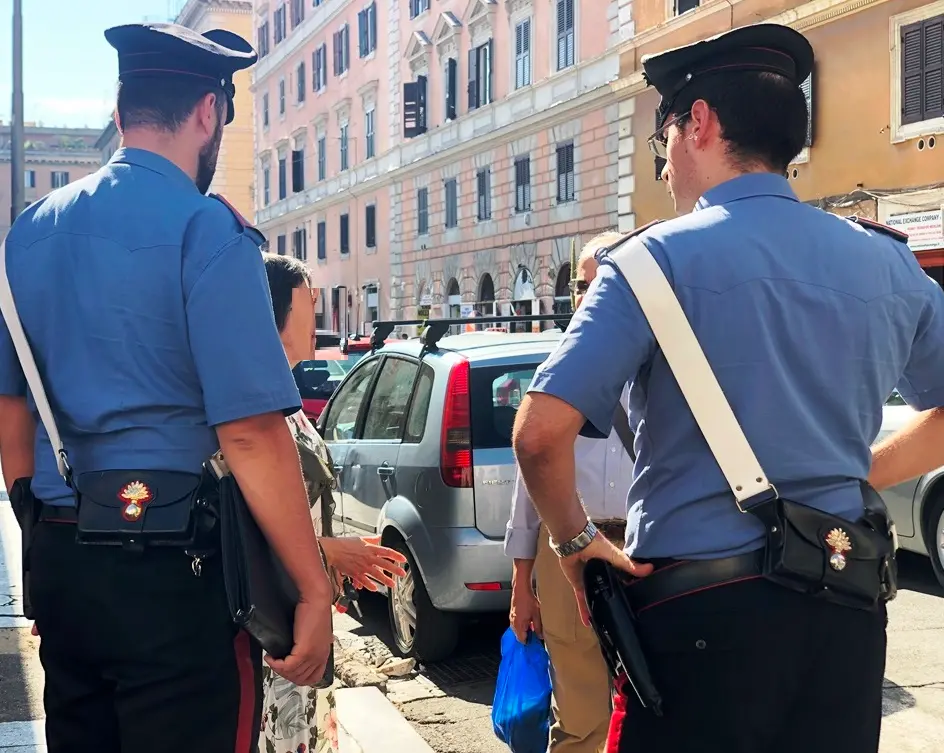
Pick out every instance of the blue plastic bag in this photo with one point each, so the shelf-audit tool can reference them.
(521, 711)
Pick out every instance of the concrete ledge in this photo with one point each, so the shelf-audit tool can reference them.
(369, 723)
(23, 737)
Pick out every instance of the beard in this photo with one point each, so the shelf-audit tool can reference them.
(206, 162)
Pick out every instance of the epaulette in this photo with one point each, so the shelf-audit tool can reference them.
(630, 234)
(878, 227)
(254, 233)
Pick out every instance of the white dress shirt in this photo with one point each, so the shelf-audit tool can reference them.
(604, 475)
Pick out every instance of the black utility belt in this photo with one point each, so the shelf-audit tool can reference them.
(141, 509)
(806, 550)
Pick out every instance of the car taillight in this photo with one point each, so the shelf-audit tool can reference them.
(456, 449)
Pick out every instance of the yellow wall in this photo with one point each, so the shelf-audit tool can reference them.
(851, 103)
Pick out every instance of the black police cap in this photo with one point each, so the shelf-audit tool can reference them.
(773, 48)
(159, 50)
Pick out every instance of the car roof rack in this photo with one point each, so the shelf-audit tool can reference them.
(435, 329)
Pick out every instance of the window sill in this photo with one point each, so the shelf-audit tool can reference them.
(913, 131)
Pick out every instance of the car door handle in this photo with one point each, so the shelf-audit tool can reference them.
(385, 471)
(338, 468)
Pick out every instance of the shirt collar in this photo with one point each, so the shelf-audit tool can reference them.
(152, 161)
(745, 187)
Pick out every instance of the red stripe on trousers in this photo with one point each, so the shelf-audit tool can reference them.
(247, 693)
(616, 722)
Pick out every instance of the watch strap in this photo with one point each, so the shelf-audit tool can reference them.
(578, 543)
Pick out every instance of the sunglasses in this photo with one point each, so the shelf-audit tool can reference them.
(659, 141)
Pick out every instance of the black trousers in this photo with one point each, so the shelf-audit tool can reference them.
(755, 668)
(140, 655)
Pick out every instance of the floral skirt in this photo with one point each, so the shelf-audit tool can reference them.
(296, 719)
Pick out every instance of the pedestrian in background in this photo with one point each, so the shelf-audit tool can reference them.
(581, 699)
(146, 305)
(808, 321)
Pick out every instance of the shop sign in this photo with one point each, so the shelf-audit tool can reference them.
(925, 229)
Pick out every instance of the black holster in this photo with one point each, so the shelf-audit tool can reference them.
(26, 509)
(614, 622)
(828, 557)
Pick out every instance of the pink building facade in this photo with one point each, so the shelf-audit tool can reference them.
(441, 153)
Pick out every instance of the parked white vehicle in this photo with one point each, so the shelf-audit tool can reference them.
(917, 505)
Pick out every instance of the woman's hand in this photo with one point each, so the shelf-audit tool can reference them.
(364, 560)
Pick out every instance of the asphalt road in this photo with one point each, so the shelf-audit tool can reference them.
(457, 719)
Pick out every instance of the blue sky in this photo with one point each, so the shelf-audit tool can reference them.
(69, 70)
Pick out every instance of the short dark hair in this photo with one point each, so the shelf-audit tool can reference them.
(285, 273)
(164, 103)
(763, 116)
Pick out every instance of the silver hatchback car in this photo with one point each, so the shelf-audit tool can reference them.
(421, 442)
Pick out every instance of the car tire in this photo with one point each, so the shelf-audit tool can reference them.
(934, 526)
(427, 634)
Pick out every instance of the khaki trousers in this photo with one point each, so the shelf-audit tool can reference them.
(581, 682)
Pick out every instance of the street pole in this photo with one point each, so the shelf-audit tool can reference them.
(17, 137)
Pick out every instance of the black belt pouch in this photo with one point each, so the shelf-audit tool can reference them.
(827, 556)
(26, 509)
(144, 509)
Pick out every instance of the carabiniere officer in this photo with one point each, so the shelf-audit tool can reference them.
(809, 321)
(147, 308)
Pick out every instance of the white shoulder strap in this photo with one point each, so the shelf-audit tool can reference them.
(28, 364)
(692, 371)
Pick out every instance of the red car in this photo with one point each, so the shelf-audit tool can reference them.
(317, 379)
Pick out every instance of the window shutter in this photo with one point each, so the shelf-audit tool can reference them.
(345, 248)
(335, 50)
(660, 163)
(370, 223)
(807, 88)
(912, 59)
(362, 33)
(451, 86)
(373, 25)
(491, 72)
(347, 47)
(473, 79)
(414, 108)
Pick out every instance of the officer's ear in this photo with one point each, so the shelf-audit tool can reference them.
(702, 126)
(207, 113)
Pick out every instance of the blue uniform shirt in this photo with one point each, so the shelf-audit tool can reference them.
(149, 314)
(809, 322)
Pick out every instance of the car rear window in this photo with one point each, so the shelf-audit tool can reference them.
(496, 393)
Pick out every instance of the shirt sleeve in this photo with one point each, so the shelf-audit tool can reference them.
(922, 383)
(239, 357)
(605, 345)
(12, 380)
(521, 533)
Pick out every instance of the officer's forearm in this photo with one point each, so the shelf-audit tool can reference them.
(261, 453)
(918, 447)
(17, 434)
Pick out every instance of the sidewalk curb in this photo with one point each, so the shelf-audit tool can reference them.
(369, 723)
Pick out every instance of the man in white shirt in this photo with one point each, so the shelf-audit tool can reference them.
(581, 701)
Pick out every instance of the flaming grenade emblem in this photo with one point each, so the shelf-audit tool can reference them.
(838, 542)
(135, 495)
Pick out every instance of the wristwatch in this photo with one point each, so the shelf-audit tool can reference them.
(578, 543)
